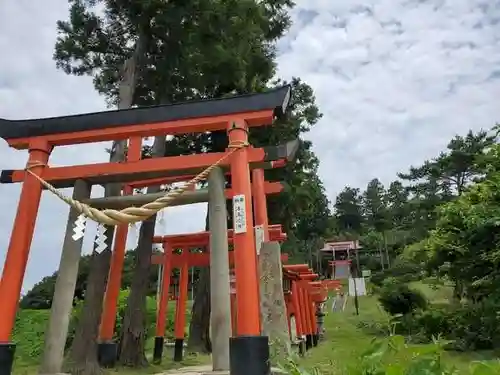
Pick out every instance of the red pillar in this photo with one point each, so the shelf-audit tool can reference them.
(20, 240)
(108, 317)
(161, 315)
(245, 257)
(180, 310)
(296, 308)
(308, 314)
(303, 310)
(232, 284)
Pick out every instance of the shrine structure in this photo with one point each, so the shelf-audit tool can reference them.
(182, 261)
(249, 349)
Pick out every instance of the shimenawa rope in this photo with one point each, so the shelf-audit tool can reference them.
(132, 215)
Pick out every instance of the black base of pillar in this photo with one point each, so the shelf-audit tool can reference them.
(302, 348)
(178, 350)
(158, 349)
(107, 353)
(315, 340)
(7, 351)
(309, 342)
(249, 355)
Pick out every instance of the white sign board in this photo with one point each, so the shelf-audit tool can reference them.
(239, 214)
(367, 273)
(360, 286)
(259, 237)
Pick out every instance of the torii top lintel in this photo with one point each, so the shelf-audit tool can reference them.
(180, 118)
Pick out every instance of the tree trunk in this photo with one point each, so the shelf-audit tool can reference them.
(199, 326)
(133, 335)
(382, 262)
(56, 333)
(83, 352)
(458, 292)
(384, 235)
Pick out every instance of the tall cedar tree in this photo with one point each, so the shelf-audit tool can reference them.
(193, 49)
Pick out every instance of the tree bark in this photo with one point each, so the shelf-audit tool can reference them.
(133, 335)
(64, 290)
(382, 261)
(220, 302)
(199, 326)
(83, 352)
(384, 235)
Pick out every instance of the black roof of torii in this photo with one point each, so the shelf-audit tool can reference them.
(276, 100)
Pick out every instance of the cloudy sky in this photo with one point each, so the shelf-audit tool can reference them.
(395, 80)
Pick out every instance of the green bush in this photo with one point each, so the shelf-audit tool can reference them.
(120, 314)
(400, 299)
(150, 315)
(29, 330)
(476, 326)
(469, 327)
(402, 270)
(392, 355)
(422, 326)
(29, 333)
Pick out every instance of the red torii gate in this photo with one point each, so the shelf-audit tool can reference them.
(235, 114)
(183, 261)
(302, 294)
(260, 188)
(106, 330)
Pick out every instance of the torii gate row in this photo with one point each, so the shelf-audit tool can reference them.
(259, 187)
(182, 241)
(202, 238)
(107, 326)
(302, 298)
(236, 114)
(169, 260)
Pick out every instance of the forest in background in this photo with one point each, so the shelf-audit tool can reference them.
(439, 219)
(393, 222)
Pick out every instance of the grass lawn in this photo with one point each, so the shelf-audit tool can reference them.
(345, 341)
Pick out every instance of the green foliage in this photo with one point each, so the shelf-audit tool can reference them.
(403, 271)
(348, 210)
(40, 296)
(195, 48)
(150, 315)
(376, 211)
(393, 356)
(400, 299)
(476, 326)
(29, 330)
(29, 333)
(465, 245)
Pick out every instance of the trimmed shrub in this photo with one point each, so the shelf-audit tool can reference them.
(400, 299)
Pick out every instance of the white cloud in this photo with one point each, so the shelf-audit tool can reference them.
(31, 87)
(395, 80)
